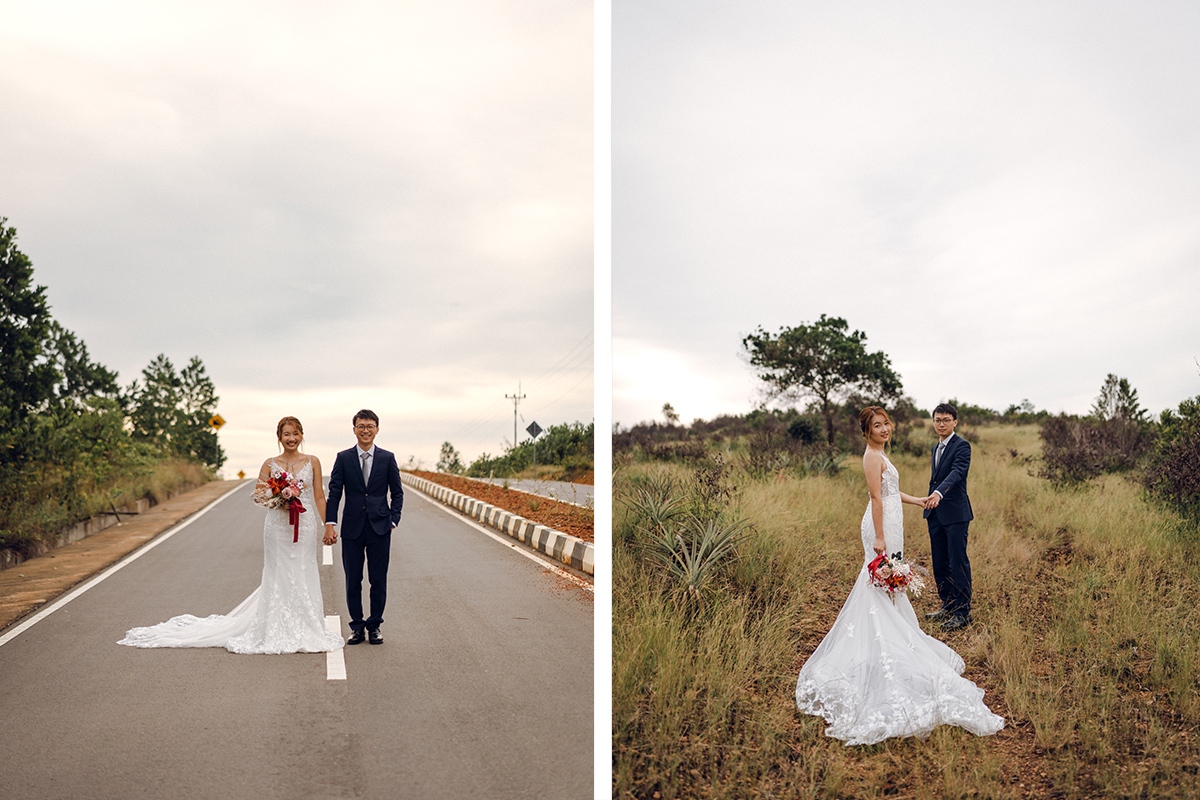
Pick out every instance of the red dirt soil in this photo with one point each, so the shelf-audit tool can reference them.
(570, 519)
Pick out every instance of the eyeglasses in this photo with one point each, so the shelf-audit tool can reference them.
(364, 427)
(943, 421)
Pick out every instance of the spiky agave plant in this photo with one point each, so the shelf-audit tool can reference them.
(657, 506)
(693, 552)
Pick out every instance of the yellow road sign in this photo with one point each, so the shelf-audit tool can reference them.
(216, 421)
(241, 474)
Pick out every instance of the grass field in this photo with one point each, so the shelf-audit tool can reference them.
(1085, 639)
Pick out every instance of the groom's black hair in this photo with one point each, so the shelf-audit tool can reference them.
(366, 413)
(946, 408)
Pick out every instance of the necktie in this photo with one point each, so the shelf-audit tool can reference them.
(366, 467)
(937, 460)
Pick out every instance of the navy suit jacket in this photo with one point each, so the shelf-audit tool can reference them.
(365, 503)
(950, 479)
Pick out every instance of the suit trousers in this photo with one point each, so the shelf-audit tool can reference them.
(951, 568)
(374, 551)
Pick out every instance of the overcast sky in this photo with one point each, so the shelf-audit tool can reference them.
(334, 205)
(1005, 197)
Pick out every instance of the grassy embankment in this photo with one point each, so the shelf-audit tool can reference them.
(47, 506)
(1085, 639)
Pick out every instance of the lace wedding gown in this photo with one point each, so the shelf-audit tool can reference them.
(285, 614)
(876, 674)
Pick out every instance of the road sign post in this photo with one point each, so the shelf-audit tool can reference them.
(533, 430)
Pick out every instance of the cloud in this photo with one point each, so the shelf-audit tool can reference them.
(312, 197)
(1001, 200)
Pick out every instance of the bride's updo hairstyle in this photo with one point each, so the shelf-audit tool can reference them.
(868, 414)
(285, 421)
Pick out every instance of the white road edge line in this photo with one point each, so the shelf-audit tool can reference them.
(335, 660)
(327, 555)
(504, 540)
(129, 559)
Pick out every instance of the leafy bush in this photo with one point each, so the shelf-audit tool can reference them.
(571, 446)
(969, 414)
(1114, 438)
(687, 450)
(1023, 413)
(804, 430)
(1075, 449)
(1173, 472)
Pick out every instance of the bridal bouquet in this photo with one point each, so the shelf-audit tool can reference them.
(894, 574)
(282, 491)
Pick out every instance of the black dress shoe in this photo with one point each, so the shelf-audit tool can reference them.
(375, 636)
(956, 622)
(940, 614)
(358, 637)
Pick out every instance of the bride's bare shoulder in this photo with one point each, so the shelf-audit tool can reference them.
(874, 462)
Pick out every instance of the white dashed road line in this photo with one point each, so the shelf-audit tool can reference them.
(335, 660)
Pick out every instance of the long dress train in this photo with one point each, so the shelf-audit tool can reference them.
(876, 674)
(285, 614)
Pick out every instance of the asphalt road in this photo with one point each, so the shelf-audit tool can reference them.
(483, 687)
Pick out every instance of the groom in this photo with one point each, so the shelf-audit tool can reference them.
(948, 512)
(368, 473)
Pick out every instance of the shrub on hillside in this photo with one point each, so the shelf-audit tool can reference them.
(1113, 438)
(1023, 413)
(570, 446)
(969, 414)
(1173, 472)
(1075, 449)
(645, 435)
(687, 450)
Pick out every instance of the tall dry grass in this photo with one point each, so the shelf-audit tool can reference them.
(1085, 638)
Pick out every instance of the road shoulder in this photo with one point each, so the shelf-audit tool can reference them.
(30, 585)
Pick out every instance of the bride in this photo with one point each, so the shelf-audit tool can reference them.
(876, 674)
(286, 613)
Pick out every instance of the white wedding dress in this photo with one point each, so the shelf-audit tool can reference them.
(285, 614)
(876, 674)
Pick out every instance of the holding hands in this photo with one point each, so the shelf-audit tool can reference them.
(928, 501)
(330, 534)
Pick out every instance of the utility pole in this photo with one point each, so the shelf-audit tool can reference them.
(516, 398)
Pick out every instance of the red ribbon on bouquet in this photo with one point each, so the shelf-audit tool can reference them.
(295, 509)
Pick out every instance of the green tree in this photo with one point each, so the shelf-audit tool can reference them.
(824, 361)
(171, 410)
(195, 438)
(1118, 401)
(27, 377)
(670, 413)
(77, 377)
(450, 459)
(154, 403)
